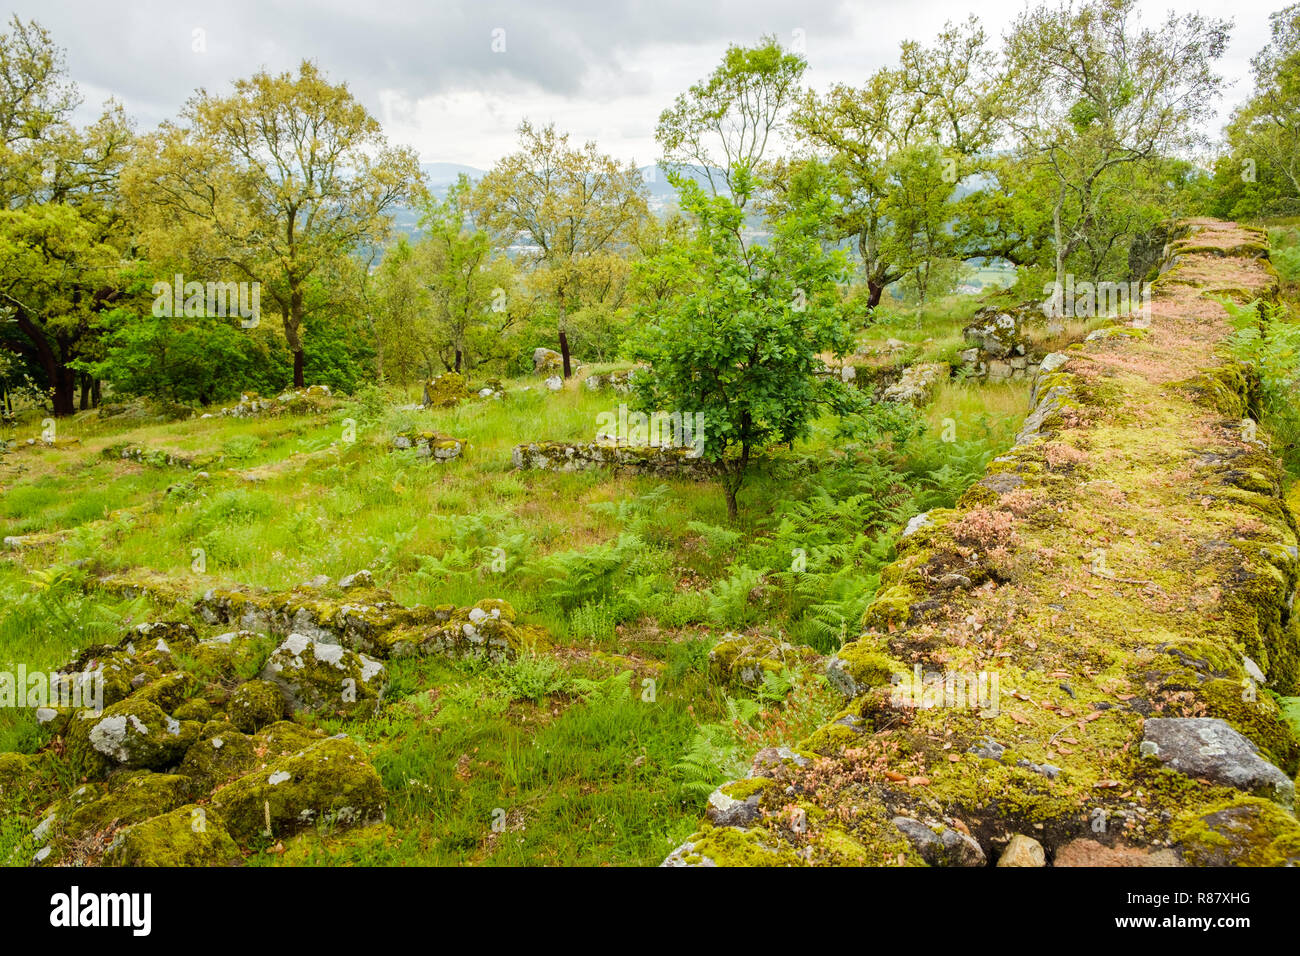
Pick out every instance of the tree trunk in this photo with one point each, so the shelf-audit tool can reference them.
(96, 395)
(84, 402)
(457, 360)
(874, 292)
(564, 354)
(65, 392)
(298, 380)
(733, 510)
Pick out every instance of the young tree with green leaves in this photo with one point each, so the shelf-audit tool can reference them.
(896, 148)
(737, 333)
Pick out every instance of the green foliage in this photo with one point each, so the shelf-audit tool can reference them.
(1268, 337)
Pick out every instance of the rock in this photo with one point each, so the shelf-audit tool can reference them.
(999, 371)
(331, 781)
(727, 811)
(255, 704)
(429, 444)
(947, 848)
(1091, 853)
(131, 733)
(445, 391)
(988, 748)
(602, 454)
(547, 360)
(1253, 832)
(1253, 670)
(768, 761)
(685, 855)
(1209, 747)
(318, 582)
(916, 523)
(917, 384)
(995, 333)
(221, 753)
(358, 579)
(187, 836)
(748, 658)
(326, 678)
(1023, 851)
(132, 800)
(554, 383)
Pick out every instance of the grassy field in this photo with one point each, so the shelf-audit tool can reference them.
(601, 750)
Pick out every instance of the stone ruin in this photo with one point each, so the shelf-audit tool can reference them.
(193, 754)
(606, 453)
(998, 350)
(428, 444)
(619, 381)
(316, 398)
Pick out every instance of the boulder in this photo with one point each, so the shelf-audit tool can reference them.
(256, 704)
(326, 678)
(547, 361)
(331, 781)
(131, 733)
(187, 836)
(1023, 851)
(445, 391)
(1210, 748)
(947, 847)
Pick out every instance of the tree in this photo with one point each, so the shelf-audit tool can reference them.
(1099, 95)
(577, 210)
(896, 148)
(63, 238)
(273, 184)
(736, 334)
(468, 279)
(1265, 131)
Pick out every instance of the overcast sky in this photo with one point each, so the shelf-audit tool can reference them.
(452, 78)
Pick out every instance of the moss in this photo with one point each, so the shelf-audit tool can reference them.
(133, 798)
(132, 733)
(168, 691)
(1243, 831)
(220, 754)
(187, 836)
(446, 390)
(330, 782)
(729, 846)
(830, 739)
(890, 609)
(255, 704)
(744, 789)
(1260, 720)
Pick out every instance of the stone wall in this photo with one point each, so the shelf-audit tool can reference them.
(566, 456)
(1077, 664)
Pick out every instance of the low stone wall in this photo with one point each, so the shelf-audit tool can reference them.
(998, 350)
(565, 456)
(316, 398)
(430, 445)
(1077, 664)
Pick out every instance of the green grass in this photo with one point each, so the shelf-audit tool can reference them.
(599, 752)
